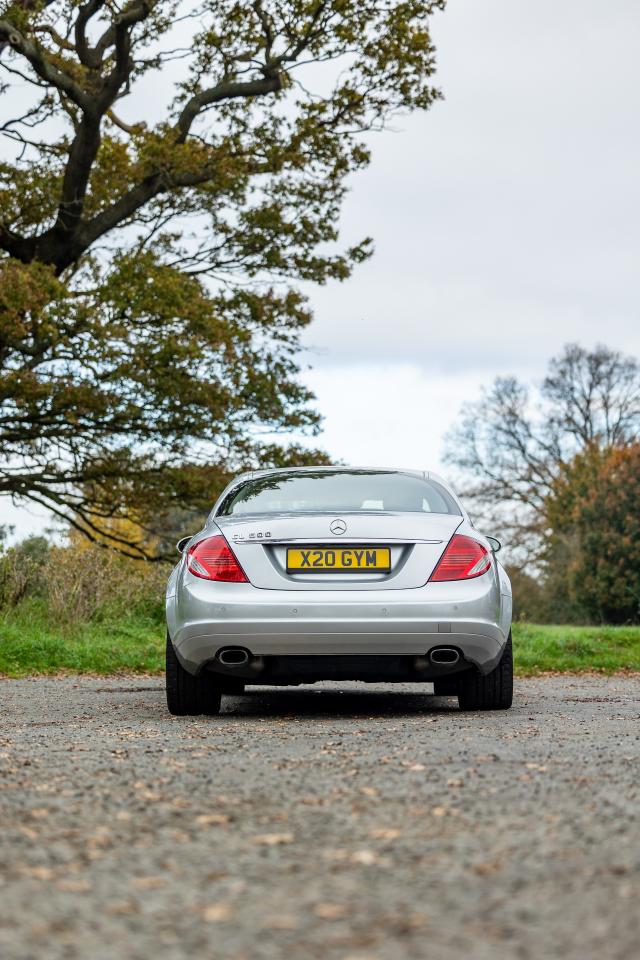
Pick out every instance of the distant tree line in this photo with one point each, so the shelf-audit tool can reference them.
(555, 471)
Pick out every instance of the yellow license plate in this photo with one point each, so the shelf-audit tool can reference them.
(339, 560)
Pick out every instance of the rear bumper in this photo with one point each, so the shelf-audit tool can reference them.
(203, 618)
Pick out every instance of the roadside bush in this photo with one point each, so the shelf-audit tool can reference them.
(80, 583)
(21, 571)
(90, 583)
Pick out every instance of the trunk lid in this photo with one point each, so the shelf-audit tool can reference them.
(415, 540)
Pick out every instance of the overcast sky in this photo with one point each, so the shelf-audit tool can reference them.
(506, 223)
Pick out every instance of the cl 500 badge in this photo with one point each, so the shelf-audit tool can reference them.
(251, 536)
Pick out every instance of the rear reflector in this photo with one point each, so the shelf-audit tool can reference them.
(213, 559)
(463, 559)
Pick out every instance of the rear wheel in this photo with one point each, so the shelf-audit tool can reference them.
(446, 687)
(189, 696)
(493, 692)
(231, 686)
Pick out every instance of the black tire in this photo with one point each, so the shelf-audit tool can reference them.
(189, 696)
(446, 687)
(493, 692)
(230, 686)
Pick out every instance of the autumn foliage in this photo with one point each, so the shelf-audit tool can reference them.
(552, 470)
(594, 547)
(168, 173)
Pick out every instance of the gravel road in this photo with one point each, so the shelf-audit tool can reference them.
(338, 822)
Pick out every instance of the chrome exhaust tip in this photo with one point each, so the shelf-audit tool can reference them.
(444, 655)
(233, 657)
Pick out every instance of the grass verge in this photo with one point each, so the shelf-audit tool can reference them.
(569, 649)
(29, 645)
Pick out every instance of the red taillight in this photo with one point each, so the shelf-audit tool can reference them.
(213, 559)
(463, 559)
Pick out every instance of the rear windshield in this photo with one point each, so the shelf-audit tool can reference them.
(358, 491)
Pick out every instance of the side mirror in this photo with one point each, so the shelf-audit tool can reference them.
(495, 544)
(181, 545)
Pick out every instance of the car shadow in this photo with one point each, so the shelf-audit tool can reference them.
(260, 703)
(336, 702)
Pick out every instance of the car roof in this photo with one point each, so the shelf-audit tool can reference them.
(338, 467)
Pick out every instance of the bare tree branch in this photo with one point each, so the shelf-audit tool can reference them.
(226, 90)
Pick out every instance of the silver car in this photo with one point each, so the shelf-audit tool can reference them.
(340, 573)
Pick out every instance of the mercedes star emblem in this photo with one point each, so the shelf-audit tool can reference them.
(338, 527)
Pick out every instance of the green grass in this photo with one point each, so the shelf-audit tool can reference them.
(569, 649)
(29, 645)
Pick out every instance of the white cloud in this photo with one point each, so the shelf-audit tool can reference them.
(506, 218)
(388, 414)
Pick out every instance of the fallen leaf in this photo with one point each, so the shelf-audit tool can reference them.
(217, 913)
(74, 886)
(386, 833)
(122, 908)
(487, 867)
(149, 883)
(149, 795)
(209, 819)
(38, 873)
(330, 911)
(283, 922)
(365, 857)
(273, 839)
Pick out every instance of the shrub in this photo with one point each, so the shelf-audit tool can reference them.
(21, 571)
(80, 582)
(92, 583)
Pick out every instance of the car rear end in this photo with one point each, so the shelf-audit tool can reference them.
(335, 574)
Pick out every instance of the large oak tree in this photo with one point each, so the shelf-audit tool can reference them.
(169, 168)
